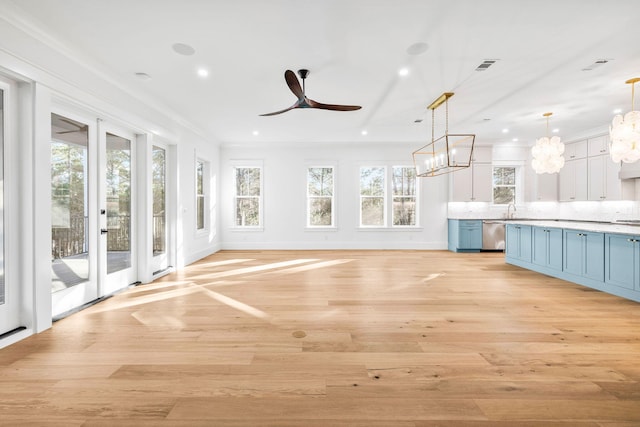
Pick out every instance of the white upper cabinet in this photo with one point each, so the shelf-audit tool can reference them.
(474, 183)
(598, 145)
(576, 150)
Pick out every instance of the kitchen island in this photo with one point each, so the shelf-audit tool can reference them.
(602, 256)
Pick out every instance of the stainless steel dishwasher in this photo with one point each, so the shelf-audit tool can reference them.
(492, 235)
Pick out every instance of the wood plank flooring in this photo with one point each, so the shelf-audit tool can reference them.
(335, 338)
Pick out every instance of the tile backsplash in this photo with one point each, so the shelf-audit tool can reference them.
(584, 211)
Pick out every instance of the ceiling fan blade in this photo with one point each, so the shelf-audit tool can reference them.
(335, 107)
(296, 105)
(293, 83)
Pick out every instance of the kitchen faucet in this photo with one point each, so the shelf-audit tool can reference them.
(510, 215)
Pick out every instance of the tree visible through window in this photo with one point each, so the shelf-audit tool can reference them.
(504, 185)
(372, 196)
(404, 195)
(247, 196)
(200, 195)
(320, 197)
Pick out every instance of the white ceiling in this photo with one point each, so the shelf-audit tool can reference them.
(354, 49)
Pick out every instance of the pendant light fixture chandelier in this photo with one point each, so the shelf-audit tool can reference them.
(625, 133)
(547, 153)
(449, 153)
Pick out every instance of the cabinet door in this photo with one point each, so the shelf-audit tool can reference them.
(596, 178)
(539, 246)
(512, 241)
(554, 240)
(462, 188)
(576, 150)
(621, 260)
(612, 183)
(482, 182)
(470, 235)
(572, 255)
(567, 184)
(598, 145)
(594, 256)
(581, 177)
(525, 242)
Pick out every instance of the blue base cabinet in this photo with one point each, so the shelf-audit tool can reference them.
(604, 261)
(622, 261)
(518, 242)
(546, 250)
(465, 235)
(583, 254)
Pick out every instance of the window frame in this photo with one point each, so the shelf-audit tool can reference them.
(247, 165)
(518, 186)
(332, 197)
(415, 197)
(201, 196)
(383, 197)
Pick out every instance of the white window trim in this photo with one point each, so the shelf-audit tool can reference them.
(236, 164)
(520, 184)
(333, 225)
(385, 215)
(416, 197)
(206, 172)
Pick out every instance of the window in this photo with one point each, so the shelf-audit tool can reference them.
(248, 196)
(372, 196)
(320, 197)
(159, 164)
(404, 196)
(504, 185)
(200, 195)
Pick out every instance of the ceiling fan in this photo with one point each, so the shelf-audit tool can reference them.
(303, 101)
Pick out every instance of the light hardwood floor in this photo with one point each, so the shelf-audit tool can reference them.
(335, 338)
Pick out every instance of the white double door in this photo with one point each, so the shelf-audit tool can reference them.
(93, 210)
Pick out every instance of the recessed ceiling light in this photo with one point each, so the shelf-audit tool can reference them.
(556, 130)
(403, 72)
(515, 139)
(256, 133)
(183, 49)
(505, 130)
(417, 48)
(143, 76)
(364, 132)
(617, 111)
(203, 72)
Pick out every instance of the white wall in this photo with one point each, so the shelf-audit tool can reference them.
(284, 175)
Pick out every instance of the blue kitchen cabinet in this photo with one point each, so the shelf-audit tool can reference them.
(546, 250)
(622, 261)
(465, 235)
(583, 254)
(518, 242)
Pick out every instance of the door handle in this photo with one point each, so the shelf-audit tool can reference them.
(103, 231)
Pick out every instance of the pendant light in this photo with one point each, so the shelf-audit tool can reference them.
(547, 153)
(625, 133)
(448, 153)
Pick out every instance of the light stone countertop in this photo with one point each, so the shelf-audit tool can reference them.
(600, 227)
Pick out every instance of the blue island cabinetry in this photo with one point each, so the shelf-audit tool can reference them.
(609, 262)
(622, 262)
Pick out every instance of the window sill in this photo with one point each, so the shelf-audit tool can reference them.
(312, 229)
(246, 229)
(391, 229)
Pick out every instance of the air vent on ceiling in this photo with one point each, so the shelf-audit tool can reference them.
(598, 63)
(486, 64)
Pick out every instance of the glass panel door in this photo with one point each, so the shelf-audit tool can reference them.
(8, 300)
(118, 231)
(73, 257)
(159, 168)
(69, 203)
